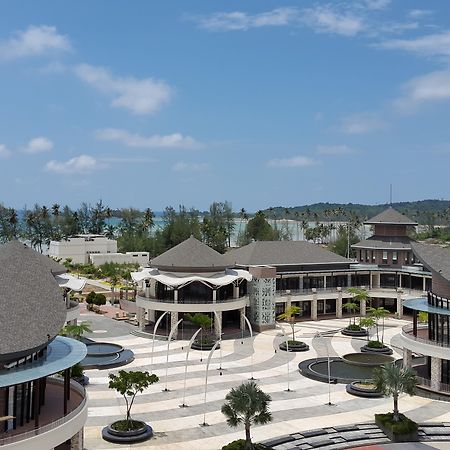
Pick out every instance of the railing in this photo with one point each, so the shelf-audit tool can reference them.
(192, 301)
(407, 331)
(50, 426)
(425, 382)
(344, 289)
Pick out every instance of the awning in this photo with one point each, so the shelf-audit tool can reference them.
(69, 282)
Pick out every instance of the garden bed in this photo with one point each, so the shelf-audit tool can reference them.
(363, 389)
(294, 346)
(403, 431)
(354, 332)
(118, 432)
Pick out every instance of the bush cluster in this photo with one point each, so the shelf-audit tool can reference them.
(354, 327)
(403, 426)
(375, 344)
(240, 445)
(94, 299)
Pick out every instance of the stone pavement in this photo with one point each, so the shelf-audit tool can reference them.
(302, 408)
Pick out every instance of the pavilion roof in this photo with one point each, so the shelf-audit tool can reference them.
(390, 216)
(434, 257)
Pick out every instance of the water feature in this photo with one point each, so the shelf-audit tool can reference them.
(105, 355)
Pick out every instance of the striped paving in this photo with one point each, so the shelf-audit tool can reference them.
(303, 408)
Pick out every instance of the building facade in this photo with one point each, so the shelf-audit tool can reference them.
(40, 406)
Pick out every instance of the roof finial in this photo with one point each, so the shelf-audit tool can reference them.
(390, 195)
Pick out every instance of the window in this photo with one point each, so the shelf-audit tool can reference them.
(367, 256)
(394, 258)
(373, 256)
(384, 257)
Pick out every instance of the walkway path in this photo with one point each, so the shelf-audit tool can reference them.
(304, 408)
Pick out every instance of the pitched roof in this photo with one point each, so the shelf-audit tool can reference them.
(385, 242)
(190, 255)
(390, 216)
(434, 257)
(278, 253)
(32, 310)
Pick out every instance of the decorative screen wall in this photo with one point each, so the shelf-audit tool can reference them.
(262, 301)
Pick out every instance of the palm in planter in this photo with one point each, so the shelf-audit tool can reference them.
(394, 380)
(129, 384)
(202, 321)
(351, 308)
(247, 404)
(289, 316)
(76, 331)
(379, 314)
(367, 323)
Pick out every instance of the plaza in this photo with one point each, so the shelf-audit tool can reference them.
(303, 408)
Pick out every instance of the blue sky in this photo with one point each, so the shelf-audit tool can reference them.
(149, 104)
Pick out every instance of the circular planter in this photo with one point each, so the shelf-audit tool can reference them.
(354, 333)
(196, 345)
(297, 347)
(368, 359)
(385, 350)
(127, 437)
(355, 388)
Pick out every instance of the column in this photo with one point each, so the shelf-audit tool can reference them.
(424, 284)
(140, 316)
(399, 305)
(151, 316)
(339, 304)
(175, 296)
(362, 307)
(236, 290)
(218, 324)
(324, 281)
(242, 320)
(407, 358)
(214, 296)
(300, 283)
(76, 441)
(399, 280)
(314, 305)
(173, 321)
(349, 280)
(436, 373)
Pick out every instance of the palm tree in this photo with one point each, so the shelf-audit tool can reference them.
(76, 331)
(377, 314)
(393, 380)
(288, 316)
(247, 404)
(351, 308)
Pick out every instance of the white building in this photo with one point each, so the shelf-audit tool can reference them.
(141, 258)
(81, 246)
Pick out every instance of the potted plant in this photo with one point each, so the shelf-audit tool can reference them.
(377, 345)
(394, 380)
(352, 307)
(246, 404)
(203, 321)
(129, 384)
(293, 345)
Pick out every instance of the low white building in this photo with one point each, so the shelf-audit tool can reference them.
(81, 246)
(141, 258)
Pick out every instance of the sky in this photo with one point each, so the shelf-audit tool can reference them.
(260, 103)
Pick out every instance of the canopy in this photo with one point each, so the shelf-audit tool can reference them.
(69, 282)
(170, 279)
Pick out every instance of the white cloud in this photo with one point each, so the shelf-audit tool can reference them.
(237, 20)
(295, 161)
(4, 151)
(432, 87)
(419, 13)
(175, 140)
(140, 96)
(335, 150)
(376, 5)
(361, 123)
(38, 145)
(325, 19)
(430, 45)
(34, 41)
(190, 167)
(78, 164)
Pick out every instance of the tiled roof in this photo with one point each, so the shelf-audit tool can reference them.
(190, 254)
(283, 253)
(385, 242)
(32, 310)
(434, 257)
(390, 216)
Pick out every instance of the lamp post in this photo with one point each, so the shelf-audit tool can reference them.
(204, 424)
(318, 335)
(220, 339)
(154, 335)
(287, 354)
(251, 337)
(183, 405)
(175, 328)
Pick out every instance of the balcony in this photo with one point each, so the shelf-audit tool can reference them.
(54, 427)
(422, 335)
(73, 311)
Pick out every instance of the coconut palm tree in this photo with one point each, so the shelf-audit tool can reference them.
(247, 404)
(394, 380)
(351, 308)
(378, 314)
(76, 331)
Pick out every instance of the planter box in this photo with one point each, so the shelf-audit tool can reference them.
(299, 347)
(387, 428)
(359, 333)
(127, 437)
(383, 350)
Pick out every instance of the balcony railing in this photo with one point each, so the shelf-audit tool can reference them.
(52, 425)
(344, 289)
(191, 301)
(407, 331)
(425, 382)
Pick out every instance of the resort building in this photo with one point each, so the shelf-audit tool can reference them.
(78, 248)
(40, 406)
(429, 334)
(260, 279)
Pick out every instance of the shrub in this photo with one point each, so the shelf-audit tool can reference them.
(77, 371)
(100, 299)
(240, 445)
(403, 426)
(375, 344)
(354, 327)
(90, 298)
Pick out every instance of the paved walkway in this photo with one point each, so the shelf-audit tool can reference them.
(303, 408)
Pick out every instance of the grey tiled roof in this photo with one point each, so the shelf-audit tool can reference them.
(390, 216)
(434, 257)
(190, 254)
(385, 242)
(283, 253)
(32, 309)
